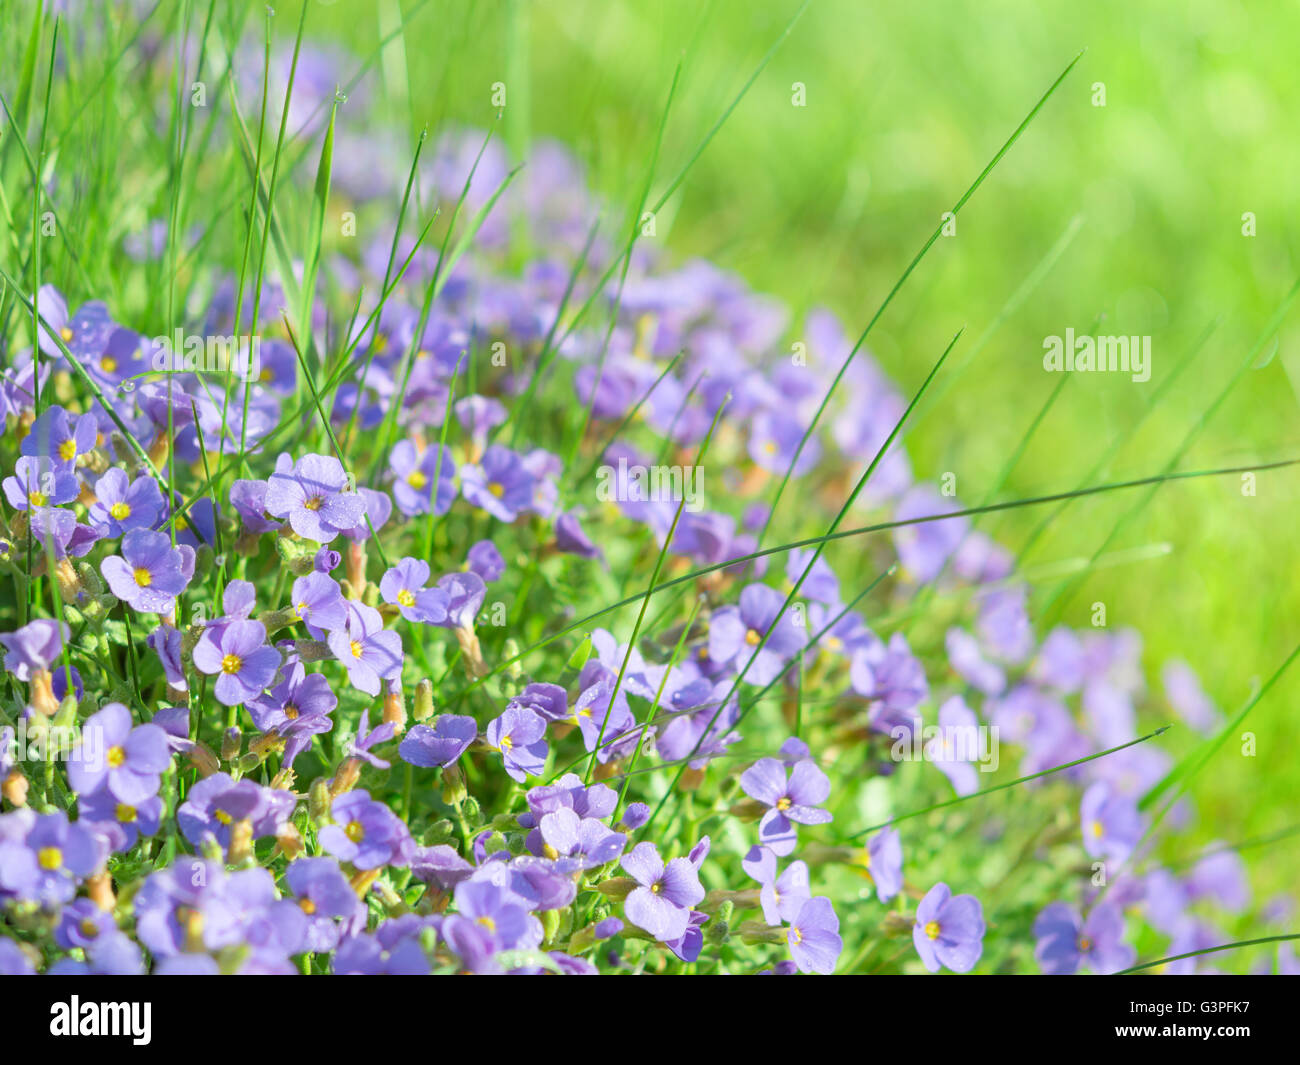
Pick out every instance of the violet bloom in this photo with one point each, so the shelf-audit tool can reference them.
(891, 675)
(368, 737)
(38, 483)
(1065, 941)
(417, 473)
(736, 631)
(966, 659)
(318, 600)
(582, 842)
(499, 484)
(296, 709)
(166, 643)
(814, 938)
(958, 745)
(315, 495)
(121, 823)
(781, 896)
(1185, 694)
(1112, 825)
(126, 761)
(150, 573)
(34, 648)
(791, 802)
(949, 930)
(366, 833)
(216, 802)
(884, 863)
(440, 745)
(485, 560)
(122, 505)
(404, 585)
(775, 437)
(572, 539)
(61, 854)
(924, 548)
(520, 735)
(237, 654)
(323, 894)
(494, 911)
(249, 500)
(368, 652)
(661, 904)
(54, 435)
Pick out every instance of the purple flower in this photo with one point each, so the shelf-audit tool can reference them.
(884, 863)
(323, 894)
(791, 802)
(965, 657)
(949, 930)
(735, 631)
(924, 548)
(126, 761)
(215, 803)
(584, 842)
(814, 939)
(519, 734)
(485, 560)
(150, 573)
(957, 745)
(1066, 942)
(416, 474)
(56, 437)
(404, 585)
(38, 483)
(368, 652)
(366, 833)
(58, 854)
(166, 643)
(439, 745)
(121, 823)
(121, 505)
(1112, 825)
(666, 893)
(572, 539)
(34, 648)
(236, 652)
(496, 910)
(782, 896)
(318, 600)
(1185, 694)
(296, 709)
(249, 500)
(316, 497)
(499, 484)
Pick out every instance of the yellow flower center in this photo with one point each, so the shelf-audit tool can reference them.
(796, 936)
(50, 858)
(416, 479)
(783, 803)
(222, 816)
(355, 831)
(356, 649)
(291, 712)
(752, 637)
(143, 577)
(68, 450)
(314, 503)
(265, 375)
(125, 814)
(231, 664)
(66, 333)
(550, 851)
(405, 597)
(932, 929)
(307, 906)
(1084, 944)
(488, 923)
(1097, 829)
(89, 929)
(656, 888)
(108, 364)
(497, 489)
(507, 744)
(120, 511)
(116, 756)
(36, 499)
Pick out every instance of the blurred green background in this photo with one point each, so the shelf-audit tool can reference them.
(827, 203)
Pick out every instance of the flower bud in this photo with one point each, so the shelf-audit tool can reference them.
(202, 759)
(289, 840)
(439, 832)
(453, 786)
(100, 889)
(346, 777)
(395, 708)
(14, 788)
(319, 800)
(617, 887)
(423, 708)
(231, 743)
